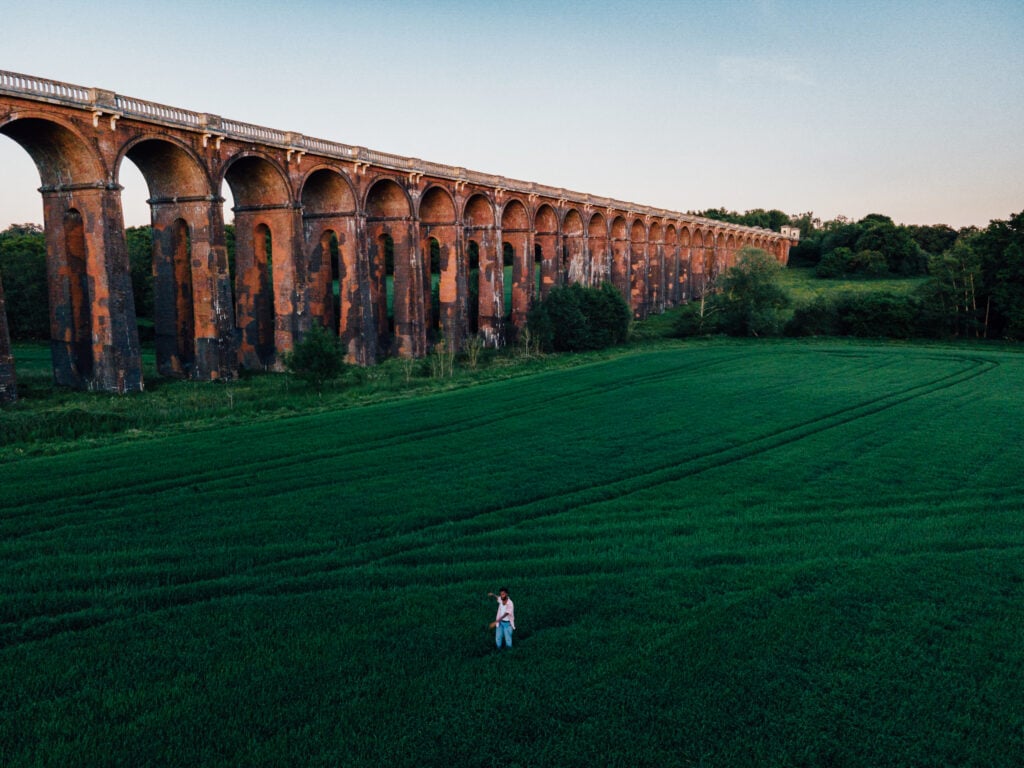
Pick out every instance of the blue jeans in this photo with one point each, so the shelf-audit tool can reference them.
(503, 632)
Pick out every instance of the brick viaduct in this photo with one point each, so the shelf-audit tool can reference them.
(321, 229)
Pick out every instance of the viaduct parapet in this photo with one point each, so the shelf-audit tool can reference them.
(392, 253)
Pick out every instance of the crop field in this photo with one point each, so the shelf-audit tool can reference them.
(721, 554)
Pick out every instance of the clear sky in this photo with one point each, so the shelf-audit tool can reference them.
(910, 108)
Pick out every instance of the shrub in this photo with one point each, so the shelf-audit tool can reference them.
(574, 319)
(317, 358)
(844, 262)
(878, 315)
(698, 318)
(866, 315)
(818, 318)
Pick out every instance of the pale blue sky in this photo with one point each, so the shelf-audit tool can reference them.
(913, 109)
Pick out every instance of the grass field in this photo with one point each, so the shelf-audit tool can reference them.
(721, 553)
(803, 286)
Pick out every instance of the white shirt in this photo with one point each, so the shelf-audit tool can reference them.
(506, 612)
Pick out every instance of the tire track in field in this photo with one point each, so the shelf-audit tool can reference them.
(670, 472)
(363, 553)
(216, 476)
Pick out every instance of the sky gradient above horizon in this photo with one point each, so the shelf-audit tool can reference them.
(912, 109)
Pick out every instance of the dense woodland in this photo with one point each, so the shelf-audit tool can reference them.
(971, 281)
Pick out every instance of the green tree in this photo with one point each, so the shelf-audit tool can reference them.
(999, 247)
(140, 260)
(839, 234)
(317, 358)
(573, 319)
(751, 299)
(1008, 292)
(935, 239)
(950, 298)
(895, 243)
(843, 262)
(23, 266)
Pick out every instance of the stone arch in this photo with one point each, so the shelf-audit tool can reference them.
(170, 167)
(327, 191)
(597, 249)
(655, 294)
(191, 283)
(721, 261)
(670, 266)
(63, 157)
(445, 302)
(704, 261)
(546, 236)
(479, 223)
(93, 331)
(517, 234)
(336, 285)
(685, 262)
(394, 254)
(731, 249)
(573, 264)
(265, 267)
(620, 255)
(638, 268)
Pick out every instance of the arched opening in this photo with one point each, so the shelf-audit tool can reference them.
(433, 309)
(702, 264)
(330, 266)
(574, 264)
(268, 301)
(597, 256)
(547, 239)
(508, 259)
(328, 228)
(76, 278)
(670, 266)
(685, 266)
(538, 260)
(518, 256)
(655, 294)
(721, 262)
(397, 266)
(184, 309)
(182, 209)
(620, 256)
(482, 245)
(446, 299)
(384, 261)
(638, 269)
(93, 333)
(24, 300)
(263, 309)
(473, 270)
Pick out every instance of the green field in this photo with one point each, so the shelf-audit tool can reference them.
(802, 286)
(721, 553)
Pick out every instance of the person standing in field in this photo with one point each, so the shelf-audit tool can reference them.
(505, 620)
